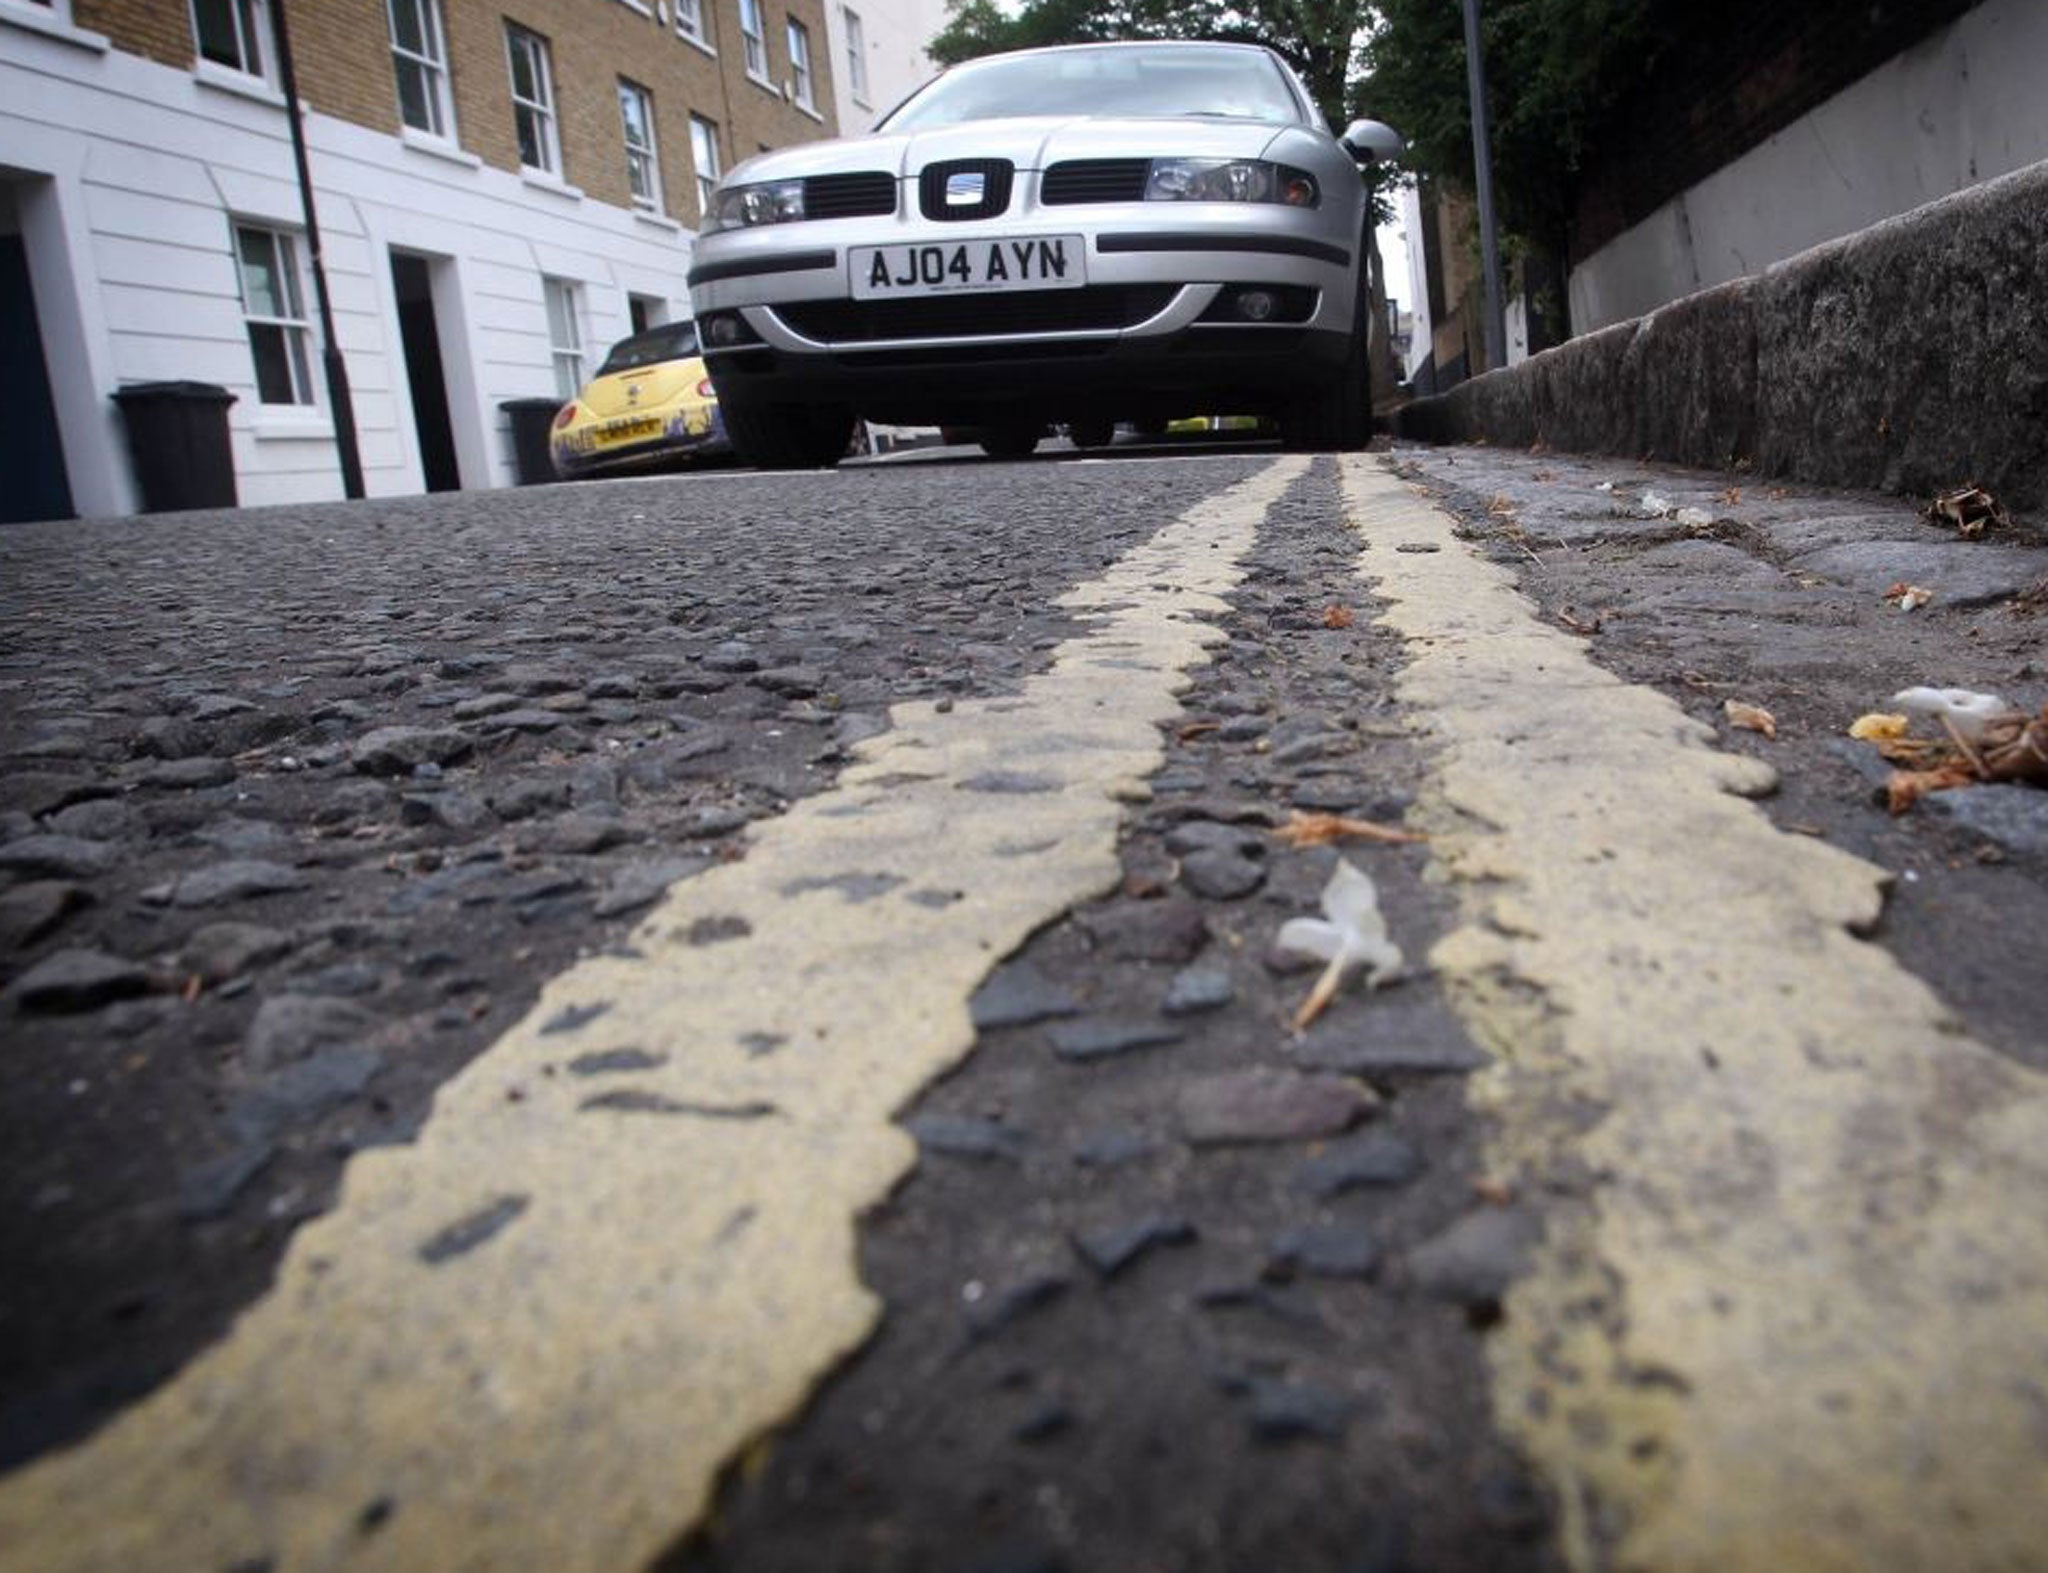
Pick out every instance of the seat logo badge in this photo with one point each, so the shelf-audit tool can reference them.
(966, 191)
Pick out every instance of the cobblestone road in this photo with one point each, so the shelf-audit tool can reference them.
(300, 809)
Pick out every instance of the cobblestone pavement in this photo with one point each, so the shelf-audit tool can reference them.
(1716, 588)
(299, 808)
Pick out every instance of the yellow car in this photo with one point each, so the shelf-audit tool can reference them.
(650, 403)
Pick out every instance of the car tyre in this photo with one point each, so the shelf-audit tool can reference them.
(1092, 433)
(1337, 417)
(1009, 442)
(787, 436)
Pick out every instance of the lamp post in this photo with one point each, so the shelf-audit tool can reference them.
(1482, 168)
(339, 403)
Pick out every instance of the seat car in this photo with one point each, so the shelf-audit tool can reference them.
(1078, 236)
(651, 403)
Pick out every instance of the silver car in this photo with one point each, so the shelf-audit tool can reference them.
(1101, 233)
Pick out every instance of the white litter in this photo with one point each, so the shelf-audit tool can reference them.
(1965, 709)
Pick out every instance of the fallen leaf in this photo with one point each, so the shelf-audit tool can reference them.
(1195, 729)
(1908, 597)
(1751, 718)
(1969, 508)
(1732, 496)
(1337, 616)
(1322, 830)
(1352, 933)
(1501, 506)
(1577, 624)
(1878, 727)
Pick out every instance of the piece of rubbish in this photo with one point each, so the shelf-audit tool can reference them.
(1969, 508)
(1751, 718)
(1962, 708)
(1351, 934)
(1908, 597)
(1878, 727)
(1322, 830)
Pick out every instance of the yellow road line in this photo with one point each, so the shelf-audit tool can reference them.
(529, 1340)
(1791, 1310)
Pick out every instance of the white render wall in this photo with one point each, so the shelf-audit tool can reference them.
(896, 32)
(1967, 104)
(127, 176)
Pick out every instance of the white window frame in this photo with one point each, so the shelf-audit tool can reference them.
(563, 302)
(251, 22)
(856, 55)
(704, 161)
(541, 66)
(430, 62)
(754, 41)
(798, 38)
(289, 322)
(643, 158)
(690, 22)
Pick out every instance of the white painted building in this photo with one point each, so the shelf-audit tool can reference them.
(151, 228)
(878, 54)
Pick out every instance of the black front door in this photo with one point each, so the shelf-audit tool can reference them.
(412, 281)
(32, 479)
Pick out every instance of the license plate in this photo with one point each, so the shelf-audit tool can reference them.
(627, 430)
(965, 267)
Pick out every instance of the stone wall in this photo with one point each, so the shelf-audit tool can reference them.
(1910, 357)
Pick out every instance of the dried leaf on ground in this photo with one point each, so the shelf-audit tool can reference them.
(1322, 830)
(1335, 616)
(2005, 748)
(1195, 729)
(1577, 624)
(1352, 933)
(1908, 597)
(1501, 506)
(1878, 727)
(1969, 508)
(1732, 496)
(1751, 718)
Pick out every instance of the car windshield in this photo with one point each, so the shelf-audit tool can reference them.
(671, 341)
(1169, 79)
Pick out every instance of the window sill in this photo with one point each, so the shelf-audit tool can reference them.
(239, 83)
(809, 111)
(660, 221)
(541, 180)
(285, 423)
(702, 46)
(40, 19)
(640, 6)
(437, 147)
(764, 85)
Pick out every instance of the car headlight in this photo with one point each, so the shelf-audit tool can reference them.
(746, 207)
(1229, 180)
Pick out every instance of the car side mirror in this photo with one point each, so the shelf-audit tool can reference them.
(1370, 141)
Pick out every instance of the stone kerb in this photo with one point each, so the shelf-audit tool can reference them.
(1910, 357)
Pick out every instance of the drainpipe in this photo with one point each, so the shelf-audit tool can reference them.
(330, 352)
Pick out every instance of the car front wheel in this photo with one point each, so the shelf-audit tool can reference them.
(1092, 433)
(787, 436)
(1009, 442)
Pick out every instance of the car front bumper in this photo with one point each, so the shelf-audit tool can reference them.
(1151, 330)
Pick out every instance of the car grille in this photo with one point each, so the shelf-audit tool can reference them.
(1096, 308)
(1095, 180)
(994, 176)
(865, 195)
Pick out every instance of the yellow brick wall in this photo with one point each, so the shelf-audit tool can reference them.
(341, 49)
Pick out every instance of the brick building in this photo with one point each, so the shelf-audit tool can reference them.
(501, 188)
